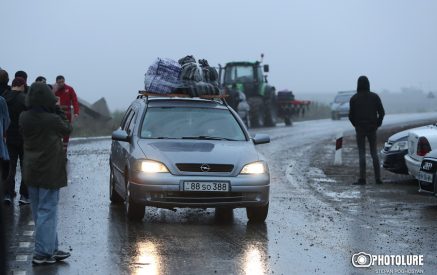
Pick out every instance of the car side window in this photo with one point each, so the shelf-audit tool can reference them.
(125, 119)
(130, 123)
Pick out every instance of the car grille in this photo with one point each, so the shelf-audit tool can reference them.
(201, 197)
(197, 167)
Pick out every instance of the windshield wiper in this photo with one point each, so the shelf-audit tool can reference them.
(209, 138)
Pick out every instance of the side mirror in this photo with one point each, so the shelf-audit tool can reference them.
(260, 139)
(120, 135)
(266, 68)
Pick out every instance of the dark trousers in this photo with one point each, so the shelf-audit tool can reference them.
(3, 261)
(361, 142)
(15, 154)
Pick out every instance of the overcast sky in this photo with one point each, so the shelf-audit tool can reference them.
(104, 47)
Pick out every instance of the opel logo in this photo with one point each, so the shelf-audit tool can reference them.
(205, 168)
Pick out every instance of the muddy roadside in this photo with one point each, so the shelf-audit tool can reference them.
(390, 218)
(323, 154)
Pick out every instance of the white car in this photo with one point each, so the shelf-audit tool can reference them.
(420, 142)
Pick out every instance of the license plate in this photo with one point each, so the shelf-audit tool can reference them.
(426, 177)
(202, 186)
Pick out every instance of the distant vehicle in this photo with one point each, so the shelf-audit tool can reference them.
(420, 142)
(394, 151)
(427, 174)
(187, 152)
(266, 106)
(340, 105)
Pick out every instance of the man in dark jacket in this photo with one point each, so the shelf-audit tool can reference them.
(4, 80)
(43, 125)
(366, 114)
(23, 74)
(15, 100)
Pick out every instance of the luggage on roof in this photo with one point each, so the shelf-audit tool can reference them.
(167, 76)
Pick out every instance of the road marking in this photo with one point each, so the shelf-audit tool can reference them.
(18, 272)
(24, 244)
(31, 223)
(21, 258)
(28, 233)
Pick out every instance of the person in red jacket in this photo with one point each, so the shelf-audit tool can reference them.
(67, 98)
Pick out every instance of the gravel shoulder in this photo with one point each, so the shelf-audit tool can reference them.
(393, 218)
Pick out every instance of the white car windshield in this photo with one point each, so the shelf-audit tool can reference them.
(342, 98)
(191, 123)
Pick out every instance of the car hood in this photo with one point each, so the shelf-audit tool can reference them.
(171, 152)
(340, 106)
(403, 134)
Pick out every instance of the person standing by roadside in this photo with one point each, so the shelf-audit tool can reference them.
(4, 80)
(67, 98)
(43, 125)
(15, 101)
(366, 114)
(4, 123)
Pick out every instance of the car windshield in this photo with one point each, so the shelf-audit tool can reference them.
(191, 123)
(239, 74)
(342, 98)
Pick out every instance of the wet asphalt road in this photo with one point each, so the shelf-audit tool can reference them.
(311, 227)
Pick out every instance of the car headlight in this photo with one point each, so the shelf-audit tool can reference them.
(399, 146)
(151, 166)
(255, 168)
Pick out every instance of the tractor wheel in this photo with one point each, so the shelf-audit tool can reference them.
(269, 113)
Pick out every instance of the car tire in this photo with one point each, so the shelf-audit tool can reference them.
(114, 197)
(257, 214)
(334, 116)
(134, 211)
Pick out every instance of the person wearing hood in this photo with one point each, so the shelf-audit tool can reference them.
(4, 80)
(42, 126)
(366, 114)
(15, 101)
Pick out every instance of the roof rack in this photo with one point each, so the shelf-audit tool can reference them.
(147, 94)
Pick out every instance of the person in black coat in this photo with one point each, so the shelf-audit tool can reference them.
(4, 80)
(366, 114)
(15, 100)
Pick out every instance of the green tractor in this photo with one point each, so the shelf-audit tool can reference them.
(249, 78)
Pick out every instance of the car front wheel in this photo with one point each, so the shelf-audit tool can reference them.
(113, 195)
(135, 211)
(257, 214)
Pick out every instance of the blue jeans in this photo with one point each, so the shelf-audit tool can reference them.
(44, 203)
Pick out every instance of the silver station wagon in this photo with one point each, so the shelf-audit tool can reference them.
(187, 152)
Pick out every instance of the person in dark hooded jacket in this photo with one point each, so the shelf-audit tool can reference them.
(366, 114)
(42, 126)
(4, 80)
(15, 100)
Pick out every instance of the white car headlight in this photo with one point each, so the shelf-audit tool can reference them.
(151, 166)
(255, 168)
(399, 146)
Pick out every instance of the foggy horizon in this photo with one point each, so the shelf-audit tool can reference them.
(103, 48)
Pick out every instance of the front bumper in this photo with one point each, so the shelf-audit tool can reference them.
(412, 165)
(394, 161)
(166, 191)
